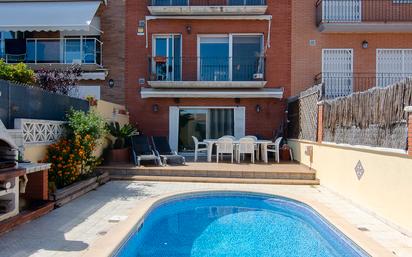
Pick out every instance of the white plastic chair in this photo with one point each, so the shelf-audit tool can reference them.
(257, 147)
(197, 146)
(224, 145)
(231, 137)
(246, 146)
(274, 148)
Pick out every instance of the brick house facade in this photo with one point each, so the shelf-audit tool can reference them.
(262, 116)
(381, 23)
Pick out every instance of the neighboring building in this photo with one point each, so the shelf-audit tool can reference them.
(350, 45)
(53, 34)
(207, 68)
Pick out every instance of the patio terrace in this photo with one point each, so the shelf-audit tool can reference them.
(290, 173)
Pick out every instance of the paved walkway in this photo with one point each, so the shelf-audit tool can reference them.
(69, 230)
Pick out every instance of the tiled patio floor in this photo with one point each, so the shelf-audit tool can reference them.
(69, 230)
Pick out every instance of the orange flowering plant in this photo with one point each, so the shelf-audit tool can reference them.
(72, 158)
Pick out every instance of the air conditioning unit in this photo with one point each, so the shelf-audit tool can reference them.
(258, 76)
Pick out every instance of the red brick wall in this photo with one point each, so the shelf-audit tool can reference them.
(307, 60)
(113, 25)
(277, 66)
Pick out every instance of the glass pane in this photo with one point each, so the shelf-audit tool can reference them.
(4, 35)
(48, 51)
(169, 2)
(191, 123)
(177, 58)
(247, 51)
(246, 2)
(214, 59)
(89, 51)
(221, 123)
(73, 51)
(31, 55)
(160, 63)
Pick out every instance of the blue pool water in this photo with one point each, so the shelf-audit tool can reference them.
(236, 225)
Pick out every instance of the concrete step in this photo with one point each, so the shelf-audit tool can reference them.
(216, 180)
(303, 175)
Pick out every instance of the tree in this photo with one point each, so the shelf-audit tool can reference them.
(59, 81)
(17, 73)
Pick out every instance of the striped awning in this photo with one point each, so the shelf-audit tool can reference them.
(47, 16)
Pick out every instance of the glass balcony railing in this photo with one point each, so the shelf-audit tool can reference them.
(60, 51)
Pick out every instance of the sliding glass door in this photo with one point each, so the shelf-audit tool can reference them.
(214, 58)
(247, 61)
(230, 57)
(203, 124)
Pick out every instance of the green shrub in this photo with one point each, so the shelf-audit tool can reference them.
(72, 158)
(17, 73)
(121, 133)
(86, 123)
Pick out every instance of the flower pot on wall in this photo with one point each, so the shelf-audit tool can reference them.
(119, 155)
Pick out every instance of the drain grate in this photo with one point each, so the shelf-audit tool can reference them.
(364, 229)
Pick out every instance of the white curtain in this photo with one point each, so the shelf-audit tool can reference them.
(221, 122)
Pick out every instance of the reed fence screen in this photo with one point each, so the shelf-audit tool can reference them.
(375, 117)
(303, 114)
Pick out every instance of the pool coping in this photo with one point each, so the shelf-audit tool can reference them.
(110, 243)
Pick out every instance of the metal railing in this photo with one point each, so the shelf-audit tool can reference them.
(207, 2)
(206, 68)
(352, 11)
(60, 50)
(338, 84)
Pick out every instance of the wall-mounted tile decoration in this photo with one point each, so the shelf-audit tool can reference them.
(359, 170)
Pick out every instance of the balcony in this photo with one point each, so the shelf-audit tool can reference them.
(339, 84)
(364, 15)
(202, 72)
(55, 52)
(207, 7)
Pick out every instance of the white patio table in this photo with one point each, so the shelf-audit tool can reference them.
(262, 143)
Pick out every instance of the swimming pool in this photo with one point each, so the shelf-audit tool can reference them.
(236, 224)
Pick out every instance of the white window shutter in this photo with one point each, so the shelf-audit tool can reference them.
(240, 121)
(173, 127)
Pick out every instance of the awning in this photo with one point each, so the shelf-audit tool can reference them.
(47, 16)
(209, 93)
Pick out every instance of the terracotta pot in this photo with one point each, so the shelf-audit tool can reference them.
(284, 154)
(119, 155)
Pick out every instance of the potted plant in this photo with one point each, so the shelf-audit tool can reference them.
(119, 152)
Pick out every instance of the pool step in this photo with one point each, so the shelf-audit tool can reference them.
(217, 180)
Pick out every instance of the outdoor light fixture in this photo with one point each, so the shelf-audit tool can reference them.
(237, 100)
(176, 100)
(189, 29)
(155, 108)
(111, 83)
(258, 108)
(365, 44)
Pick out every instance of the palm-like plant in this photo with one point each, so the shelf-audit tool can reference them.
(121, 133)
